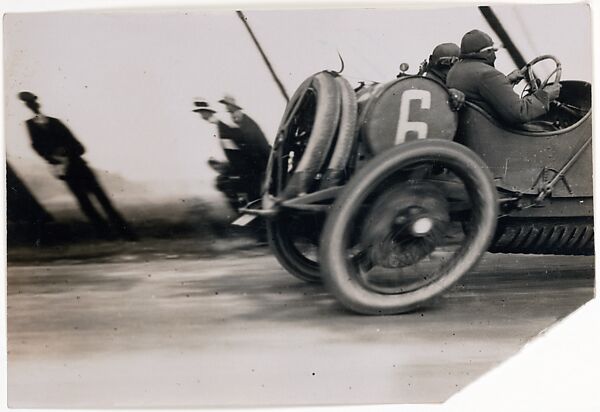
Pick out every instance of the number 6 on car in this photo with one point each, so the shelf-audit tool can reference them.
(404, 124)
(405, 111)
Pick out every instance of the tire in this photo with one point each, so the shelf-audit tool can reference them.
(344, 276)
(319, 96)
(322, 133)
(346, 136)
(289, 254)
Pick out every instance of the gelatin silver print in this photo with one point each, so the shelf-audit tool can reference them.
(258, 208)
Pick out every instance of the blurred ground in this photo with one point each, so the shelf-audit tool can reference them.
(188, 217)
(190, 321)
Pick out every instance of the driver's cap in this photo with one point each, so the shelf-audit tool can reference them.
(474, 42)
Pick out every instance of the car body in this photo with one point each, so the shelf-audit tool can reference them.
(401, 188)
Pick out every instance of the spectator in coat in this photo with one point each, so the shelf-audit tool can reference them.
(54, 142)
(484, 85)
(240, 177)
(252, 140)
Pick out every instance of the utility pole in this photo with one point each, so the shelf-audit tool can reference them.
(264, 56)
(492, 19)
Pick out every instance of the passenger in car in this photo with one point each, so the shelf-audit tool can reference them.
(484, 85)
(441, 61)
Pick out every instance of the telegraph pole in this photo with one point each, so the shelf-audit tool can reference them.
(492, 19)
(264, 56)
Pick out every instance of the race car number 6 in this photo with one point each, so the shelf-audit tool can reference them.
(404, 125)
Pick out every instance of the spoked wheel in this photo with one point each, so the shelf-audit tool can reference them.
(393, 239)
(300, 151)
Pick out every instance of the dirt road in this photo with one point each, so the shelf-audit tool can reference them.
(176, 331)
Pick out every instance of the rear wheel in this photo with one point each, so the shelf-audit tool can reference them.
(294, 241)
(393, 239)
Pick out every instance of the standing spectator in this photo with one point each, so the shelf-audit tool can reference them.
(253, 141)
(54, 142)
(246, 150)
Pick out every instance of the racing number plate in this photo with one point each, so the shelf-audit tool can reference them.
(408, 109)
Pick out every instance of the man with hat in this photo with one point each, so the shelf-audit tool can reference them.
(246, 150)
(441, 61)
(253, 139)
(53, 141)
(484, 85)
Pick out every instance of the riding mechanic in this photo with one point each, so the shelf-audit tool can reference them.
(441, 61)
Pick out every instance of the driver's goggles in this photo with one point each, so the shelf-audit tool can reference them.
(447, 61)
(492, 47)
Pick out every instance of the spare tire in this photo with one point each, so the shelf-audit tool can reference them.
(307, 133)
(346, 136)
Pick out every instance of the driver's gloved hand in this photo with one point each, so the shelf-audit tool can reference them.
(457, 99)
(515, 76)
(552, 90)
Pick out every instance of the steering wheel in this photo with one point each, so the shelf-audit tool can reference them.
(533, 82)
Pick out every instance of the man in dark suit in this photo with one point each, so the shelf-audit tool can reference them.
(476, 76)
(246, 150)
(250, 138)
(53, 141)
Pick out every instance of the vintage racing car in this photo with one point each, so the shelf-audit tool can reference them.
(392, 192)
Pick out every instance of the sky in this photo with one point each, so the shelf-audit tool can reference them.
(124, 82)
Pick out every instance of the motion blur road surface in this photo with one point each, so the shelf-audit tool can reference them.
(152, 330)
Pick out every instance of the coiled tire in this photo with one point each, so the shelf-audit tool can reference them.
(321, 97)
(346, 136)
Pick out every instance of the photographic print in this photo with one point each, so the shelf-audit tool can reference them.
(258, 208)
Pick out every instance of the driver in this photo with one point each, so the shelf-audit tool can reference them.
(484, 85)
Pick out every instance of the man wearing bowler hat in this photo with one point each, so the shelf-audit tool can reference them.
(240, 178)
(476, 76)
(54, 142)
